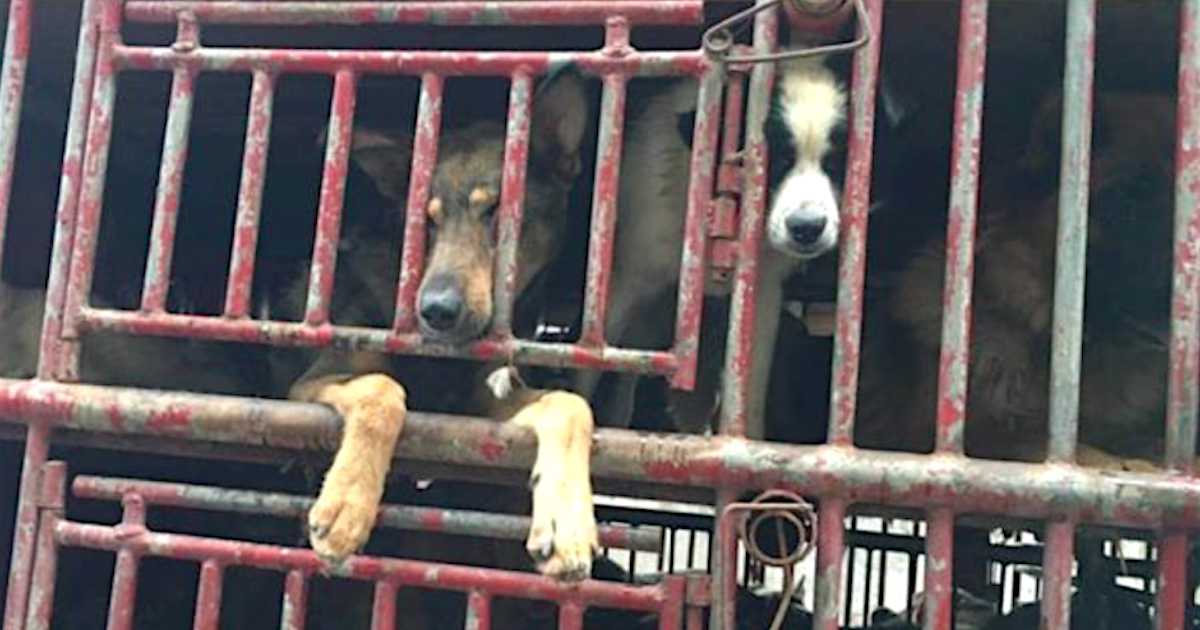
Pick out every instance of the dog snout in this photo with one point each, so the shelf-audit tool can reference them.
(806, 229)
(442, 304)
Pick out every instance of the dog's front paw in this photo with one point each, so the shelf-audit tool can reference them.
(562, 538)
(1096, 458)
(341, 520)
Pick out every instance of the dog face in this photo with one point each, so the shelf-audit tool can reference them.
(455, 298)
(806, 144)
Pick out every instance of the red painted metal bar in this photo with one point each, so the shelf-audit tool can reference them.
(333, 190)
(122, 600)
(675, 598)
(442, 13)
(1012, 489)
(479, 611)
(408, 62)
(939, 569)
(512, 201)
(20, 568)
(1182, 392)
(856, 203)
(297, 334)
(960, 233)
(82, 255)
(208, 596)
(425, 148)
(724, 562)
(449, 521)
(693, 265)
(295, 600)
(604, 192)
(170, 186)
(1057, 564)
(383, 608)
(570, 616)
(303, 562)
(1071, 250)
(1172, 596)
(12, 90)
(41, 598)
(250, 191)
(831, 547)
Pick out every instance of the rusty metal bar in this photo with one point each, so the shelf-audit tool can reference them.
(939, 569)
(208, 596)
(125, 575)
(409, 62)
(295, 598)
(1071, 250)
(831, 547)
(298, 334)
(250, 192)
(383, 608)
(170, 184)
(960, 232)
(604, 192)
(448, 521)
(479, 611)
(301, 563)
(1182, 392)
(469, 13)
(12, 90)
(693, 265)
(570, 616)
(425, 151)
(1058, 561)
(338, 139)
(512, 201)
(1016, 490)
(1172, 597)
(723, 563)
(25, 536)
(671, 616)
(41, 598)
(856, 203)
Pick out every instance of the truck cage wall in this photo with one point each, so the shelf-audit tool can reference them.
(943, 484)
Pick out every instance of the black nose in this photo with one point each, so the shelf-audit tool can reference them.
(441, 305)
(806, 229)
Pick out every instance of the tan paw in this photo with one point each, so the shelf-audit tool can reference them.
(562, 538)
(339, 523)
(1095, 458)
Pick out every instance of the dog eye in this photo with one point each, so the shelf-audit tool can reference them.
(490, 212)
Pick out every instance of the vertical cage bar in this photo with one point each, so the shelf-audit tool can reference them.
(570, 616)
(82, 255)
(960, 232)
(208, 596)
(1172, 598)
(295, 601)
(20, 568)
(170, 185)
(512, 201)
(424, 162)
(723, 563)
(250, 192)
(693, 266)
(939, 569)
(51, 362)
(122, 601)
(479, 611)
(736, 385)
(670, 617)
(333, 190)
(1071, 251)
(383, 609)
(12, 89)
(604, 197)
(45, 566)
(831, 547)
(1182, 394)
(856, 203)
(1058, 560)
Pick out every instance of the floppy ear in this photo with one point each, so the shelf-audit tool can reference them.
(384, 156)
(560, 118)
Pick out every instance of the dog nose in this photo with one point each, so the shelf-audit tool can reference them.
(806, 229)
(441, 306)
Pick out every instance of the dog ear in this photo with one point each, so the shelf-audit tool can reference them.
(383, 156)
(560, 119)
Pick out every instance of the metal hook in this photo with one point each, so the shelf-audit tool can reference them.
(719, 39)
